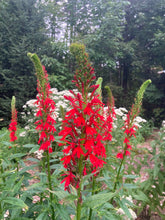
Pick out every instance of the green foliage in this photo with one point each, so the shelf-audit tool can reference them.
(154, 186)
(21, 27)
(59, 64)
(152, 98)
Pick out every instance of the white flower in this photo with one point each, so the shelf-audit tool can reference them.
(139, 119)
(123, 109)
(121, 212)
(119, 112)
(59, 119)
(124, 118)
(31, 102)
(133, 214)
(136, 124)
(22, 134)
(39, 154)
(54, 90)
(6, 214)
(129, 198)
(163, 123)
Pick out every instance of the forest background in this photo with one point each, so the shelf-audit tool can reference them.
(125, 41)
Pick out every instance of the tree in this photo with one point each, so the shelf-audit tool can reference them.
(21, 31)
(143, 35)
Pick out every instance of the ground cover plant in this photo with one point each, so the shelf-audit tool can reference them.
(80, 153)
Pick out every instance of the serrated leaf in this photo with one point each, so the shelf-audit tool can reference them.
(31, 145)
(141, 196)
(69, 199)
(36, 185)
(18, 185)
(130, 186)
(2, 135)
(15, 202)
(62, 212)
(27, 168)
(42, 216)
(33, 159)
(34, 149)
(22, 218)
(131, 176)
(60, 194)
(6, 143)
(18, 155)
(99, 199)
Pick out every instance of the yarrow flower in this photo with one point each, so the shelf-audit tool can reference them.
(13, 124)
(83, 130)
(45, 107)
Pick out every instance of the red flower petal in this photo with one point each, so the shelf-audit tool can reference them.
(119, 155)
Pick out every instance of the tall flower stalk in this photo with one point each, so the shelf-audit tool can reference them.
(84, 150)
(13, 123)
(13, 127)
(130, 128)
(46, 122)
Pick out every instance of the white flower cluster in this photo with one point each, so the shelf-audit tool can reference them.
(120, 211)
(58, 97)
(39, 154)
(121, 112)
(30, 108)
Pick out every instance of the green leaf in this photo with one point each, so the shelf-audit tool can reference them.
(141, 196)
(33, 159)
(62, 212)
(18, 155)
(124, 207)
(42, 216)
(22, 218)
(15, 202)
(31, 145)
(35, 148)
(130, 186)
(6, 143)
(18, 186)
(131, 176)
(2, 135)
(36, 187)
(27, 168)
(60, 194)
(99, 199)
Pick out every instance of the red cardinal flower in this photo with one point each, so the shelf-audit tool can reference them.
(83, 127)
(46, 106)
(119, 155)
(13, 124)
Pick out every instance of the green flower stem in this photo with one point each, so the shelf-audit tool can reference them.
(118, 173)
(15, 151)
(79, 194)
(93, 192)
(2, 171)
(79, 204)
(50, 184)
(42, 163)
